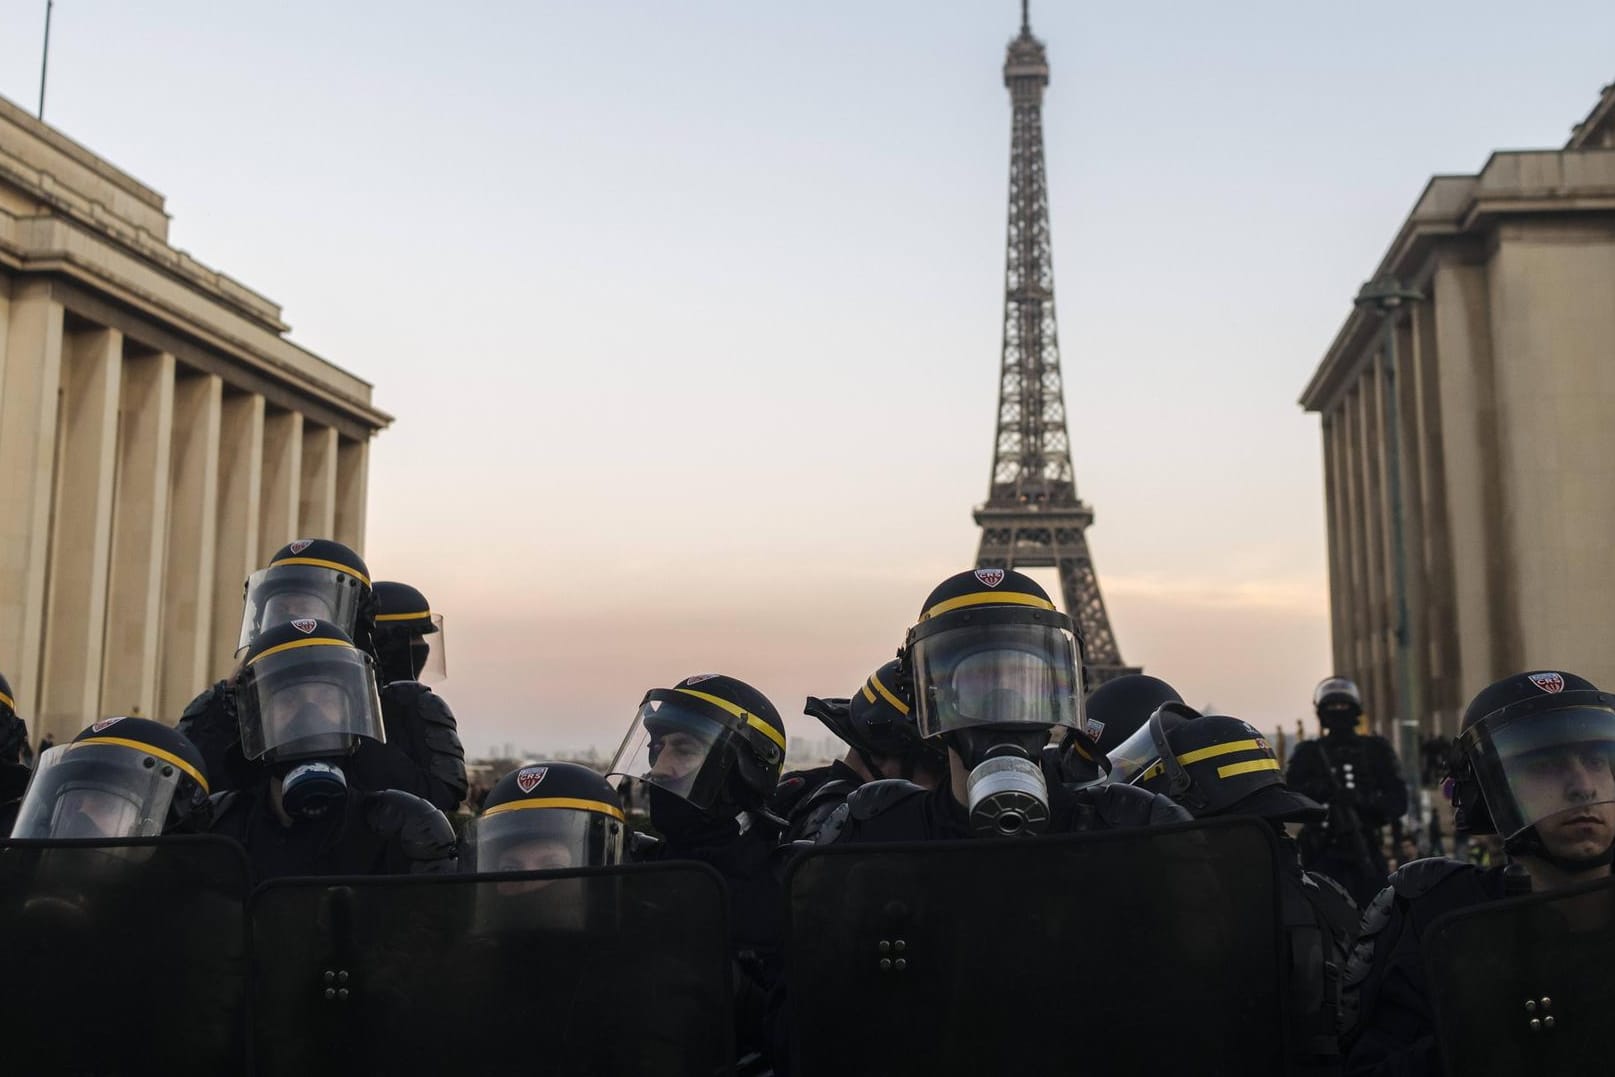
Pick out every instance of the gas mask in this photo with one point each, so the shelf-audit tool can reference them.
(1007, 794)
(310, 789)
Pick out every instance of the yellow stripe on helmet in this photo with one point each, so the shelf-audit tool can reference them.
(321, 563)
(1222, 749)
(558, 802)
(8, 701)
(1254, 765)
(886, 694)
(987, 598)
(404, 616)
(739, 712)
(149, 749)
(296, 643)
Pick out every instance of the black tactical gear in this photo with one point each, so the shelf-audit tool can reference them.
(1358, 780)
(424, 755)
(408, 635)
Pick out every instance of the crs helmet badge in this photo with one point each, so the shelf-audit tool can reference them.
(305, 625)
(299, 546)
(105, 724)
(991, 577)
(1551, 683)
(527, 778)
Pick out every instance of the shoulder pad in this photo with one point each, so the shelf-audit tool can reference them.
(1329, 886)
(839, 788)
(221, 802)
(1419, 877)
(1376, 918)
(877, 798)
(216, 700)
(831, 828)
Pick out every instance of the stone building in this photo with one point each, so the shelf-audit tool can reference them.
(159, 435)
(1469, 451)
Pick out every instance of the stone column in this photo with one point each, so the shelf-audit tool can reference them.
(139, 536)
(33, 365)
(352, 478)
(241, 455)
(317, 515)
(192, 534)
(81, 531)
(282, 482)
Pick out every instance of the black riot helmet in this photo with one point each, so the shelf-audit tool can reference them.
(990, 650)
(304, 691)
(120, 778)
(1215, 764)
(711, 740)
(408, 635)
(1119, 708)
(548, 816)
(1338, 704)
(1532, 746)
(878, 721)
(310, 579)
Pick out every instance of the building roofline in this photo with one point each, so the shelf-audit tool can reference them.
(11, 112)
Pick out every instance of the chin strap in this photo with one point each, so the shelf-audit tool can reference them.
(1529, 843)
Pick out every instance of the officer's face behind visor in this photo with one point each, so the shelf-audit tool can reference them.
(1554, 770)
(677, 747)
(97, 791)
(309, 702)
(517, 837)
(995, 675)
(296, 592)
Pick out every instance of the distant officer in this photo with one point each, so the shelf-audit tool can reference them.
(1357, 779)
(708, 751)
(14, 772)
(423, 754)
(1534, 763)
(1218, 765)
(120, 778)
(993, 669)
(306, 700)
(877, 723)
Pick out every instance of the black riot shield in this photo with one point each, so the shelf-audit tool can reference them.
(1135, 951)
(123, 957)
(1524, 985)
(598, 971)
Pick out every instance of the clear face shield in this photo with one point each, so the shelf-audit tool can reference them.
(1548, 765)
(1144, 748)
(1004, 674)
(97, 791)
(308, 702)
(522, 836)
(298, 592)
(435, 666)
(678, 744)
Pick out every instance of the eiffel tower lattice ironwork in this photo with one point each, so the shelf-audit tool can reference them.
(1033, 517)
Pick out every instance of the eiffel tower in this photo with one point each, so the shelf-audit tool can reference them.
(1033, 517)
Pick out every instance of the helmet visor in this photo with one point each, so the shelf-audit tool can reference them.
(93, 789)
(307, 701)
(436, 668)
(295, 592)
(526, 835)
(996, 675)
(1544, 764)
(679, 747)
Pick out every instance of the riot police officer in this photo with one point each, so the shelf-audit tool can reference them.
(877, 724)
(708, 751)
(14, 773)
(1115, 711)
(423, 754)
(1357, 778)
(1535, 764)
(120, 778)
(993, 670)
(1219, 765)
(306, 699)
(547, 816)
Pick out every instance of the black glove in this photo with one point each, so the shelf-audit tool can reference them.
(423, 833)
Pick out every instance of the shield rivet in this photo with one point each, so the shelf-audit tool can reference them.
(901, 946)
(885, 964)
(1547, 1003)
(1530, 1005)
(901, 965)
(885, 946)
(1536, 1025)
(330, 993)
(1547, 1022)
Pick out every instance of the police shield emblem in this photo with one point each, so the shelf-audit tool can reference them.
(300, 545)
(304, 625)
(527, 778)
(992, 577)
(1550, 683)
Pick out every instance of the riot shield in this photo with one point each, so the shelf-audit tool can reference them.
(598, 971)
(1135, 951)
(123, 957)
(1524, 985)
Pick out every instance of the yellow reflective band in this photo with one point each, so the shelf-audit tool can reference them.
(403, 616)
(317, 563)
(558, 802)
(296, 643)
(868, 695)
(12, 703)
(1221, 749)
(142, 746)
(739, 712)
(987, 598)
(1247, 768)
(1154, 770)
(1076, 746)
(902, 708)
